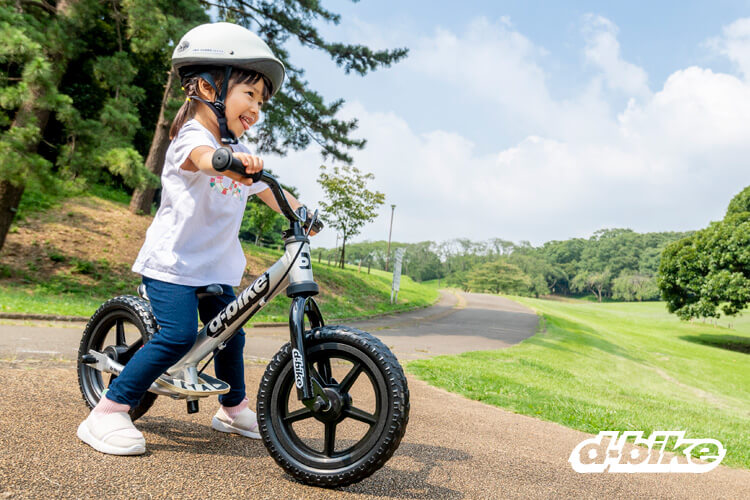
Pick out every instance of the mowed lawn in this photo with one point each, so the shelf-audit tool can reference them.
(345, 293)
(616, 366)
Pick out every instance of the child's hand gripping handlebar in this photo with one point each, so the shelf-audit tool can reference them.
(223, 160)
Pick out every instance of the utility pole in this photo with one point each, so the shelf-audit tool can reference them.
(390, 231)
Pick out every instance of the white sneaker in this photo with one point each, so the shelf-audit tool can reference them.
(244, 424)
(112, 433)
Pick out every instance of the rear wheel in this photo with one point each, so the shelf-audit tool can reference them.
(365, 422)
(119, 328)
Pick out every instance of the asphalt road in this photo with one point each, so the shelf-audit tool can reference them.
(453, 448)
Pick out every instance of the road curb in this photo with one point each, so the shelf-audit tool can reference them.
(43, 317)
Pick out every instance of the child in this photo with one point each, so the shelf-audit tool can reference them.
(227, 73)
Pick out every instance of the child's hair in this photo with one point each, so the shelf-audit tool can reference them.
(190, 86)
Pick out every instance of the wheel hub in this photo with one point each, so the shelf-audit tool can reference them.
(337, 403)
(115, 352)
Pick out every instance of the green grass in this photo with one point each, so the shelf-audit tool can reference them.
(26, 300)
(346, 293)
(616, 366)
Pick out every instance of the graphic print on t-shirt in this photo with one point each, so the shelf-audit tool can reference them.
(218, 184)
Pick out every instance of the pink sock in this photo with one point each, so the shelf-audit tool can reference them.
(107, 406)
(233, 411)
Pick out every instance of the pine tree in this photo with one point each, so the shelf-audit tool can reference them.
(298, 115)
(36, 42)
(101, 53)
(156, 27)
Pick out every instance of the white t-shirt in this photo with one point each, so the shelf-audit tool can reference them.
(193, 240)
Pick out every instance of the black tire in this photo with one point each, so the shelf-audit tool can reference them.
(116, 312)
(387, 424)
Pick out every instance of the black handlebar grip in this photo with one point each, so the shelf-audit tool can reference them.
(223, 160)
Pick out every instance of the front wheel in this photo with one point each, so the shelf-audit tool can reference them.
(365, 422)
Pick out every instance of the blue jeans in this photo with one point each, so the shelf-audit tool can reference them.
(174, 307)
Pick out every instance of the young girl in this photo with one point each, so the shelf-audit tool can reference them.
(227, 73)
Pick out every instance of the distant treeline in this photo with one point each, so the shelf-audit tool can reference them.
(613, 263)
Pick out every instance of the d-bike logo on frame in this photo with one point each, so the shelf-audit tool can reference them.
(248, 297)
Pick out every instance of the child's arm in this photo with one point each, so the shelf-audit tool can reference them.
(267, 197)
(200, 159)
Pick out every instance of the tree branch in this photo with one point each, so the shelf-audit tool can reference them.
(40, 3)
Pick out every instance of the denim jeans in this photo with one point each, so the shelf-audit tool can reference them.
(175, 307)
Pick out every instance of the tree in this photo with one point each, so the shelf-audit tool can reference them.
(73, 88)
(422, 262)
(499, 276)
(349, 204)
(709, 271)
(260, 220)
(36, 42)
(597, 283)
(740, 202)
(542, 275)
(638, 287)
(160, 25)
(298, 115)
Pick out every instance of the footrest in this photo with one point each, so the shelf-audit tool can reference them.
(206, 386)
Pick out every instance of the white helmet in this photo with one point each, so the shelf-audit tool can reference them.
(227, 44)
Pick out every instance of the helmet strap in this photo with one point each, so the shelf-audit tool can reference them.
(218, 106)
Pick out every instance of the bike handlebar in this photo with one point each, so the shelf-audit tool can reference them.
(223, 160)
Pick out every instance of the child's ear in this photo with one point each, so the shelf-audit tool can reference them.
(205, 90)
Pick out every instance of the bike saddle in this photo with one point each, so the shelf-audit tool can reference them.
(208, 291)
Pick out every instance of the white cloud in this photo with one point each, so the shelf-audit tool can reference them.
(603, 51)
(670, 160)
(490, 61)
(734, 43)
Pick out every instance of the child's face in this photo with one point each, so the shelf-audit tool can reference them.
(243, 106)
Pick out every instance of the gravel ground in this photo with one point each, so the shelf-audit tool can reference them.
(453, 448)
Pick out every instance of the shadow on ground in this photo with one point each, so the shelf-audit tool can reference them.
(411, 481)
(728, 342)
(406, 475)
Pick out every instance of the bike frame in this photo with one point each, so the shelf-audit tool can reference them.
(293, 272)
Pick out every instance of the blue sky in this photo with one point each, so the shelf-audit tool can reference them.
(542, 120)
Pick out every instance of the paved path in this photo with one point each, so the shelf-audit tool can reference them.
(453, 448)
(457, 323)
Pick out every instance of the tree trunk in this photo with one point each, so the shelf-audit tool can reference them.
(142, 199)
(10, 197)
(343, 252)
(10, 194)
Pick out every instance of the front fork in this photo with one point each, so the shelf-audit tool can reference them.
(309, 390)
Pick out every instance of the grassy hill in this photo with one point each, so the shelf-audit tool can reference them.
(616, 366)
(72, 256)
